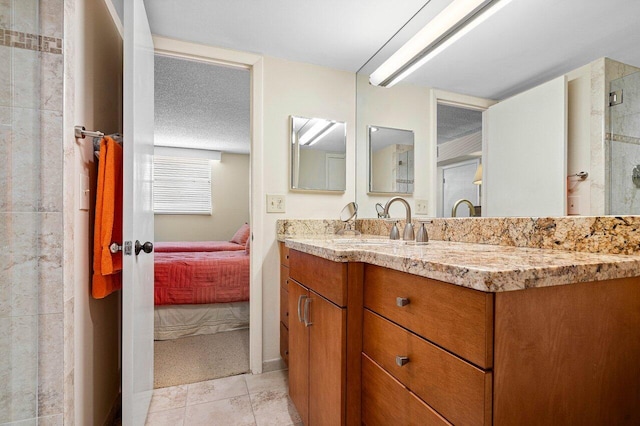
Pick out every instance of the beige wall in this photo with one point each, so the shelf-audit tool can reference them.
(93, 74)
(230, 201)
(401, 107)
(292, 88)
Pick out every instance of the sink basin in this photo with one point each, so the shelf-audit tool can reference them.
(370, 242)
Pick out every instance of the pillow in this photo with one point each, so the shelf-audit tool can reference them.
(241, 235)
(247, 250)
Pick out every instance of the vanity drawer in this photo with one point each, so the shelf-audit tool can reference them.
(456, 318)
(386, 402)
(284, 307)
(284, 344)
(323, 276)
(284, 277)
(284, 254)
(456, 389)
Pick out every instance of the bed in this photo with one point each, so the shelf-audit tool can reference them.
(201, 287)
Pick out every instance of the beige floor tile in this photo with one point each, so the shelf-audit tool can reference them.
(174, 417)
(274, 408)
(272, 381)
(227, 412)
(214, 390)
(168, 398)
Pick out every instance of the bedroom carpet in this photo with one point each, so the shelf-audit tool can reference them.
(200, 358)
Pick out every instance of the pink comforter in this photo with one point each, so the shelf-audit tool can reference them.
(191, 246)
(201, 277)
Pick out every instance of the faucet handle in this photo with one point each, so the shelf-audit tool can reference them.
(422, 237)
(395, 232)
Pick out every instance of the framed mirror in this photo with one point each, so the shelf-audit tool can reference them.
(391, 160)
(318, 154)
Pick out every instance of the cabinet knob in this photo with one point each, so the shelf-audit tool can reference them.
(402, 301)
(402, 360)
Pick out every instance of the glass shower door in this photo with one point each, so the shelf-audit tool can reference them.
(624, 147)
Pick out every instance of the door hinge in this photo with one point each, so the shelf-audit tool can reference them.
(615, 98)
(128, 248)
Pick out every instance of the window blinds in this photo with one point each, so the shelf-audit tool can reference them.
(181, 185)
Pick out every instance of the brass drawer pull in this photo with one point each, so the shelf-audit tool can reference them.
(402, 301)
(305, 317)
(402, 360)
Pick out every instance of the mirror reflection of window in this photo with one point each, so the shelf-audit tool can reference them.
(318, 154)
(391, 160)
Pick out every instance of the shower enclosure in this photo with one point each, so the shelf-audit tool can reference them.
(31, 311)
(623, 143)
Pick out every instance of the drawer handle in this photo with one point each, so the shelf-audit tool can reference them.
(402, 301)
(402, 360)
(300, 299)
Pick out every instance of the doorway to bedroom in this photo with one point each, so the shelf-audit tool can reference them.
(202, 220)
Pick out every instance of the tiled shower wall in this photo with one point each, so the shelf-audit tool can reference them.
(31, 194)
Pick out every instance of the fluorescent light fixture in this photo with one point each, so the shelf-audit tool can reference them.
(171, 151)
(316, 132)
(456, 20)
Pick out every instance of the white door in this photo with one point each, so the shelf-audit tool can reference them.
(457, 184)
(137, 270)
(335, 169)
(525, 153)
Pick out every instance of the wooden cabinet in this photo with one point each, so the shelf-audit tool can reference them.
(374, 346)
(320, 356)
(551, 355)
(284, 304)
(435, 339)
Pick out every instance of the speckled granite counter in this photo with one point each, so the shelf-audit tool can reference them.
(490, 268)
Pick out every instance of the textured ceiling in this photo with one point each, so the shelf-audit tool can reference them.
(526, 43)
(201, 105)
(455, 122)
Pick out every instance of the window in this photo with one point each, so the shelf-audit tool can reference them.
(181, 185)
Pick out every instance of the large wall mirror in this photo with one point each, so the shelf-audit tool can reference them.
(391, 160)
(538, 121)
(318, 154)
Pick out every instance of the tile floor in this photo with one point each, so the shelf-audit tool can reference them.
(260, 400)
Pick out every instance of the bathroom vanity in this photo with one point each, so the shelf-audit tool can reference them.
(458, 333)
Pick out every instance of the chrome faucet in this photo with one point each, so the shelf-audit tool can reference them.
(408, 227)
(472, 210)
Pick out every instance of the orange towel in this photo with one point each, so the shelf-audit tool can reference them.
(107, 267)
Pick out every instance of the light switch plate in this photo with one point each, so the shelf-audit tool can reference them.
(84, 193)
(275, 203)
(422, 207)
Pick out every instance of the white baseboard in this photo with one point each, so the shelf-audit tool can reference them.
(273, 365)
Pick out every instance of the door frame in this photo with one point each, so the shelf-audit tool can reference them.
(457, 100)
(254, 64)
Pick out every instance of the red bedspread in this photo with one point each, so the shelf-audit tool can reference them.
(201, 277)
(191, 246)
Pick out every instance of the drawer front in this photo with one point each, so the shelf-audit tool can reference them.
(284, 307)
(284, 254)
(284, 344)
(456, 389)
(456, 318)
(386, 402)
(284, 277)
(327, 278)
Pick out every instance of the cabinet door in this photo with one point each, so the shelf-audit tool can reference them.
(298, 353)
(327, 362)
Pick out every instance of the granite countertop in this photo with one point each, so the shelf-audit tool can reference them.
(485, 267)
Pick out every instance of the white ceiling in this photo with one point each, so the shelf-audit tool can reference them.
(528, 42)
(201, 105)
